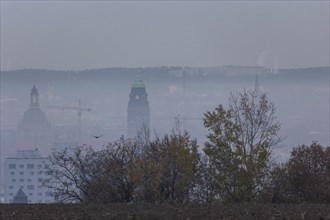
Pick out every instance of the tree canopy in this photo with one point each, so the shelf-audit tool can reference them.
(239, 145)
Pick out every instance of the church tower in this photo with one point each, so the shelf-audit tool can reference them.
(34, 130)
(138, 112)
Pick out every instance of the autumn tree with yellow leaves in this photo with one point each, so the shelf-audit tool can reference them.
(239, 145)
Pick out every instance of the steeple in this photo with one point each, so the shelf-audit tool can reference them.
(34, 98)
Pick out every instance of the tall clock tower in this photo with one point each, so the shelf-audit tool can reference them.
(138, 112)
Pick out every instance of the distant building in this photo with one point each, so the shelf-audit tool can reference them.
(138, 112)
(2, 194)
(34, 130)
(26, 172)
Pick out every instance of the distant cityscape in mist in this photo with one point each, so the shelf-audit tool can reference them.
(171, 92)
(72, 71)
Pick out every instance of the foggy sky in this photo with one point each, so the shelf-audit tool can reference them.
(85, 34)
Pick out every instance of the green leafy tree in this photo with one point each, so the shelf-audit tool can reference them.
(239, 145)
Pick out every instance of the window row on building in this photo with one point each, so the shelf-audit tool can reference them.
(28, 166)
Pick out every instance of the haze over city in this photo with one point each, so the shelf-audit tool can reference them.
(189, 56)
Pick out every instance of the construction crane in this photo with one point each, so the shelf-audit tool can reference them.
(79, 110)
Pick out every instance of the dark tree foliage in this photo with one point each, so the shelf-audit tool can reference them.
(304, 178)
(117, 179)
(85, 175)
(205, 185)
(308, 172)
(162, 171)
(167, 169)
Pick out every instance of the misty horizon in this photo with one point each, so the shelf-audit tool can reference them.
(170, 94)
(146, 67)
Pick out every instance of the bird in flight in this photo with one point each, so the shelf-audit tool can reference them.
(97, 136)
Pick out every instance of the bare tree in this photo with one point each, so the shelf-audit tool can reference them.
(71, 174)
(85, 175)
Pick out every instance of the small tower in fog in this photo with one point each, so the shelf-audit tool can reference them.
(256, 86)
(138, 112)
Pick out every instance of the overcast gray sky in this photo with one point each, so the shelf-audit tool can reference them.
(84, 34)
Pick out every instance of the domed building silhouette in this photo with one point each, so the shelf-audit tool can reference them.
(34, 130)
(138, 112)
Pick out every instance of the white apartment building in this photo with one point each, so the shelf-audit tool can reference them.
(26, 171)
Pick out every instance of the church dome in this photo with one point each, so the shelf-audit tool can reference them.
(34, 130)
(34, 119)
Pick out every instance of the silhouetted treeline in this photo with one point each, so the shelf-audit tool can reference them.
(170, 170)
(304, 178)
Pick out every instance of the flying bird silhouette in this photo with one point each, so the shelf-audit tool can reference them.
(97, 136)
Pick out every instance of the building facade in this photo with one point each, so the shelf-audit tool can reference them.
(138, 112)
(26, 172)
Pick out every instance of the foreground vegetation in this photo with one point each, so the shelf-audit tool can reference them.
(129, 211)
(237, 165)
